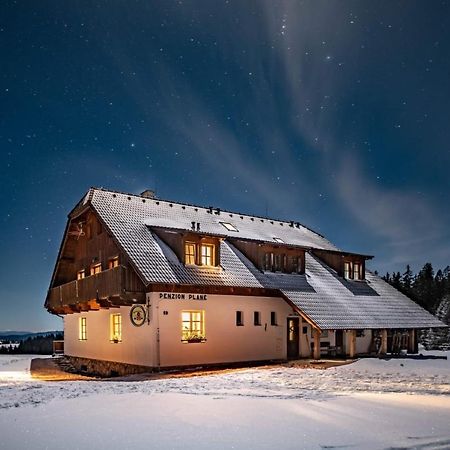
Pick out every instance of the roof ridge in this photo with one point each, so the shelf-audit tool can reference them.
(208, 207)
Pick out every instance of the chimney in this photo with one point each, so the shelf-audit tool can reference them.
(193, 226)
(148, 193)
(198, 226)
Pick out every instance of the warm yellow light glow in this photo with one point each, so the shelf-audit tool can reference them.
(189, 253)
(116, 327)
(82, 329)
(207, 254)
(97, 268)
(356, 268)
(81, 274)
(113, 262)
(192, 326)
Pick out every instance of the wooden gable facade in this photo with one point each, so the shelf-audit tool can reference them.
(91, 270)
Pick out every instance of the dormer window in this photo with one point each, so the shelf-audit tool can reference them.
(113, 262)
(268, 261)
(347, 270)
(229, 226)
(207, 254)
(189, 253)
(279, 240)
(356, 271)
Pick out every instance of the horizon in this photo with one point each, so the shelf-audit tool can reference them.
(335, 117)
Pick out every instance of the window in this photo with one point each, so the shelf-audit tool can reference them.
(273, 318)
(116, 328)
(229, 226)
(277, 265)
(82, 335)
(189, 253)
(193, 326)
(256, 318)
(279, 240)
(347, 270)
(356, 271)
(268, 261)
(81, 274)
(296, 264)
(207, 254)
(96, 268)
(239, 318)
(113, 262)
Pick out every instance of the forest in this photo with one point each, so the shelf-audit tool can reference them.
(40, 345)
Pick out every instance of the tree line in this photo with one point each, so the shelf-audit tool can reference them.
(426, 288)
(41, 345)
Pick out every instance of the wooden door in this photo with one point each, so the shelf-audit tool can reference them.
(292, 337)
(340, 342)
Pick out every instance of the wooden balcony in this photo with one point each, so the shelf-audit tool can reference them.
(109, 288)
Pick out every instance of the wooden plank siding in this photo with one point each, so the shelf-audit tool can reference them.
(336, 261)
(113, 286)
(94, 246)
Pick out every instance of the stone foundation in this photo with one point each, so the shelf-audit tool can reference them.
(100, 368)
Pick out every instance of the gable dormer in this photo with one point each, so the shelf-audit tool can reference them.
(192, 248)
(273, 257)
(350, 266)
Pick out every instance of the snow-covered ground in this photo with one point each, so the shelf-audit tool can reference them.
(370, 404)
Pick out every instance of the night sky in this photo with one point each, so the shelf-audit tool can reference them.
(332, 113)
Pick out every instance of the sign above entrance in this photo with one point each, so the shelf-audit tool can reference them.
(180, 296)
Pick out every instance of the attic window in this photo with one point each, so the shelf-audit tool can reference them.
(229, 226)
(279, 240)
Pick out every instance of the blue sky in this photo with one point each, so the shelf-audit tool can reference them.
(331, 113)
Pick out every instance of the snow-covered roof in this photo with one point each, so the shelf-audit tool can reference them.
(325, 298)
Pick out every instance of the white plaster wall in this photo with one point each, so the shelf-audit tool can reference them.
(137, 346)
(225, 342)
(363, 343)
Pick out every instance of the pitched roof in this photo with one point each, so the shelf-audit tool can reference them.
(326, 299)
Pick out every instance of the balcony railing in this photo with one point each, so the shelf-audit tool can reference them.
(104, 285)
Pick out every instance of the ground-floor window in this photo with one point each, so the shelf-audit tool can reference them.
(116, 328)
(193, 326)
(273, 318)
(256, 318)
(82, 329)
(239, 318)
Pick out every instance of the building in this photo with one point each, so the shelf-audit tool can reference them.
(145, 283)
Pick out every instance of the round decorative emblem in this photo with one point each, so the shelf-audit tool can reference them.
(138, 315)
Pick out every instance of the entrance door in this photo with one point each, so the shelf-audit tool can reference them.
(339, 343)
(292, 337)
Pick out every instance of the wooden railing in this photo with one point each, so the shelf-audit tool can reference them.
(106, 284)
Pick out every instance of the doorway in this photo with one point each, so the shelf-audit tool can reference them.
(292, 337)
(340, 350)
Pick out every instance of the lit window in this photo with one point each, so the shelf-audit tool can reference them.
(273, 318)
(347, 270)
(189, 253)
(113, 262)
(193, 326)
(207, 254)
(81, 274)
(239, 318)
(82, 328)
(116, 328)
(229, 226)
(279, 240)
(356, 271)
(256, 318)
(96, 268)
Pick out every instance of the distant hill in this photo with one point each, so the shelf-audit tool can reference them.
(22, 335)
